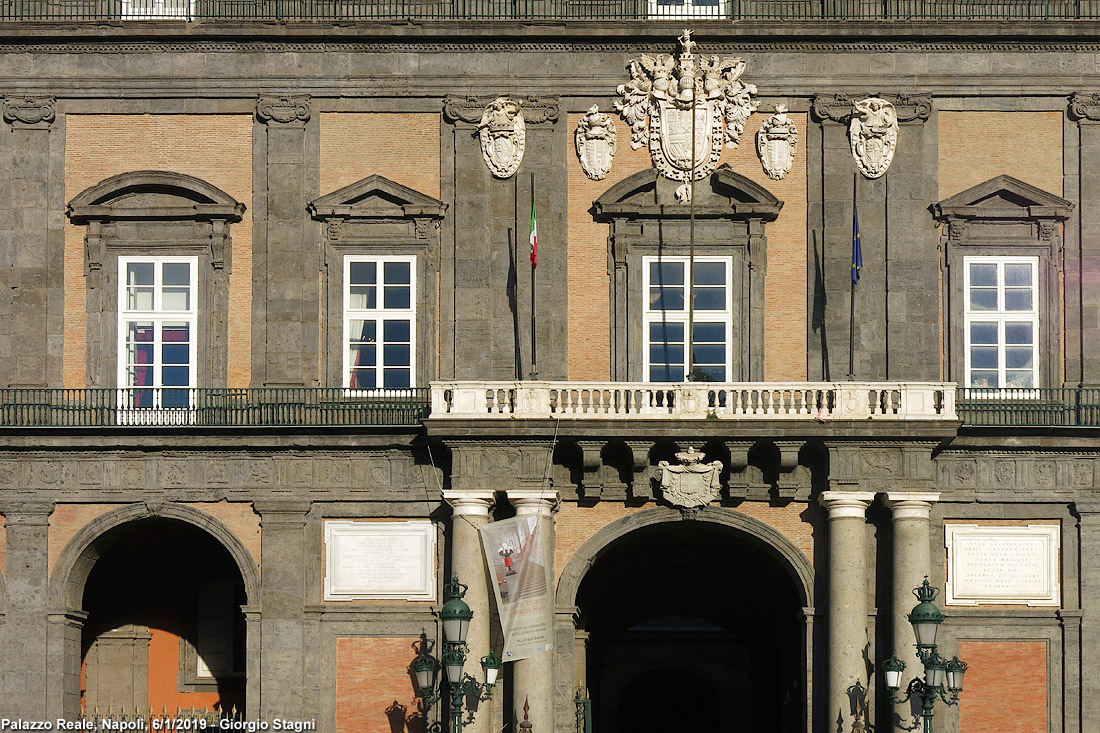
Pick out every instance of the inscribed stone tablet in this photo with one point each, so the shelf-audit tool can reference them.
(1002, 565)
(380, 560)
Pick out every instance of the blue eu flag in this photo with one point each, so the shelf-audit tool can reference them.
(857, 250)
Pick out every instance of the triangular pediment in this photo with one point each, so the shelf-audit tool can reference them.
(723, 194)
(376, 197)
(154, 195)
(1003, 197)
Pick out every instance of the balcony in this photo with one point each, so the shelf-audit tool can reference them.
(585, 10)
(301, 407)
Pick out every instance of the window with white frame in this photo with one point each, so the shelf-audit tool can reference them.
(686, 8)
(665, 318)
(157, 10)
(1002, 321)
(157, 329)
(379, 322)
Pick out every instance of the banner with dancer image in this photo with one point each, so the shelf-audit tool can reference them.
(521, 580)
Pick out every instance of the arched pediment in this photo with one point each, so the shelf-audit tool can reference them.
(1003, 198)
(724, 194)
(153, 195)
(376, 197)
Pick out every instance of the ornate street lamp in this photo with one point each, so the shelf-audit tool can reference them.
(455, 615)
(926, 619)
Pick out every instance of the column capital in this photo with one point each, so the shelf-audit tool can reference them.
(910, 504)
(30, 111)
(846, 504)
(470, 502)
(27, 513)
(534, 501)
(284, 108)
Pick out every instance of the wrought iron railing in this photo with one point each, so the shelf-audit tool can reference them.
(699, 10)
(1030, 407)
(263, 407)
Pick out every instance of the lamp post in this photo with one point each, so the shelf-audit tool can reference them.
(455, 615)
(926, 619)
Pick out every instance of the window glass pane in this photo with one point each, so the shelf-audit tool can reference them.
(175, 376)
(140, 354)
(176, 299)
(662, 353)
(175, 332)
(177, 273)
(141, 376)
(362, 297)
(983, 274)
(395, 355)
(362, 379)
(710, 299)
(362, 355)
(983, 357)
(666, 373)
(362, 330)
(139, 299)
(665, 331)
(1018, 333)
(713, 332)
(1018, 299)
(1017, 273)
(1019, 357)
(710, 273)
(175, 353)
(140, 273)
(709, 354)
(140, 331)
(362, 273)
(666, 299)
(395, 378)
(983, 379)
(983, 333)
(662, 272)
(1019, 379)
(397, 296)
(395, 331)
(397, 273)
(710, 373)
(983, 299)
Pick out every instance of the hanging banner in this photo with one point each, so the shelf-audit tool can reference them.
(521, 581)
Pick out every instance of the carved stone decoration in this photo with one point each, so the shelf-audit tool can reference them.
(283, 109)
(873, 133)
(691, 484)
(836, 107)
(912, 107)
(776, 143)
(503, 136)
(29, 110)
(1085, 107)
(596, 140)
(684, 109)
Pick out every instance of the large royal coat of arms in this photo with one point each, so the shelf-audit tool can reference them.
(873, 133)
(503, 136)
(684, 109)
(692, 483)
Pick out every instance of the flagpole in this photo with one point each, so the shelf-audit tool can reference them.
(534, 261)
(854, 277)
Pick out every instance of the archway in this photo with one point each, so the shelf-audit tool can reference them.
(160, 589)
(695, 625)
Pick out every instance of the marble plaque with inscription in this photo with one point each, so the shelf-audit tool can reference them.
(1003, 565)
(380, 560)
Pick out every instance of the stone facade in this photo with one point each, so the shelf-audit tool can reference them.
(272, 153)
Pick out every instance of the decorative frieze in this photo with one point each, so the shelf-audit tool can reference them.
(283, 109)
(596, 140)
(30, 110)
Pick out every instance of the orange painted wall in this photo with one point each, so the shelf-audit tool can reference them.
(371, 676)
(1006, 687)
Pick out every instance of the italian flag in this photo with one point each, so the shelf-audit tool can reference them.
(534, 237)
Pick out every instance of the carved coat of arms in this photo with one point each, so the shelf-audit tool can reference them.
(684, 109)
(873, 133)
(503, 136)
(691, 484)
(776, 142)
(596, 140)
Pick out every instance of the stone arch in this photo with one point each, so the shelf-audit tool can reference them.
(793, 559)
(122, 194)
(81, 553)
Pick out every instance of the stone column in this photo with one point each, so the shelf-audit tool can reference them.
(533, 679)
(470, 512)
(282, 601)
(1082, 247)
(848, 580)
(1089, 529)
(27, 528)
(912, 561)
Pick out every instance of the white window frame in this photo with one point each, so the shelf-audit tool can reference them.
(156, 413)
(688, 10)
(1000, 316)
(379, 315)
(157, 10)
(649, 316)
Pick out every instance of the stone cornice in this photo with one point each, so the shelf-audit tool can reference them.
(838, 107)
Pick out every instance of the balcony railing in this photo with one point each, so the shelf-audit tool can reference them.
(1032, 407)
(821, 401)
(264, 407)
(416, 10)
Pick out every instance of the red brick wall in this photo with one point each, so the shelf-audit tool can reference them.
(401, 147)
(1006, 687)
(215, 148)
(371, 675)
(977, 146)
